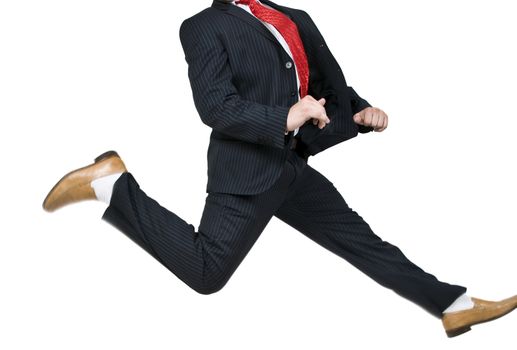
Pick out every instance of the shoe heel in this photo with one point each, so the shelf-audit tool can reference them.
(455, 332)
(106, 155)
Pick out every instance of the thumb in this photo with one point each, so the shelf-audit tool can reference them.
(358, 119)
(322, 101)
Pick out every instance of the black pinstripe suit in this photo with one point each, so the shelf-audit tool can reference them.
(243, 89)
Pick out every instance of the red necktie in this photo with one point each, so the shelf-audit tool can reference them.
(289, 31)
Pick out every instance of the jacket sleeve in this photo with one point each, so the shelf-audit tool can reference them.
(358, 104)
(356, 101)
(217, 99)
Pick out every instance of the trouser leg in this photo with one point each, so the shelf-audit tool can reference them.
(318, 210)
(204, 259)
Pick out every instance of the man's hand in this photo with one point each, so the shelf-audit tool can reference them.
(305, 109)
(372, 116)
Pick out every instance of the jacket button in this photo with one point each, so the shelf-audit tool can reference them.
(293, 93)
(288, 64)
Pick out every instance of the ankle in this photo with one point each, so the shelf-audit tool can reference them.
(103, 187)
(463, 302)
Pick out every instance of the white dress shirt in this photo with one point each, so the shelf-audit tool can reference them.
(280, 39)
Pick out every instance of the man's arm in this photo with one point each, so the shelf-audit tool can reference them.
(216, 98)
(357, 102)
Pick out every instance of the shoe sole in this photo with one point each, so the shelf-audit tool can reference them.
(458, 331)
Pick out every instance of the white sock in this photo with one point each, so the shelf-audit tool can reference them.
(463, 302)
(103, 187)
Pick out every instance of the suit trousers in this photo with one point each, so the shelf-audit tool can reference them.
(230, 224)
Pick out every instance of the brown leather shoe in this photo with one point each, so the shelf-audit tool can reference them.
(459, 322)
(75, 186)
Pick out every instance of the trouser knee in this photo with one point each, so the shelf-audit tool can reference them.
(210, 286)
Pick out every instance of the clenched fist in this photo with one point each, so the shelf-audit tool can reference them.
(307, 108)
(372, 116)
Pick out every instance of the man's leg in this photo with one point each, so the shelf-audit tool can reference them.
(203, 259)
(318, 210)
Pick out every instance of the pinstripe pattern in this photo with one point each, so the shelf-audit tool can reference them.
(303, 198)
(243, 89)
(317, 209)
(282, 42)
(289, 32)
(203, 259)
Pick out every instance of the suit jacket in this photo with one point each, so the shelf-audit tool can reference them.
(243, 84)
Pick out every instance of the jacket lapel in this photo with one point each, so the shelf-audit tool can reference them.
(248, 18)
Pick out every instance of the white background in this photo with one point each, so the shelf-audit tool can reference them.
(80, 78)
